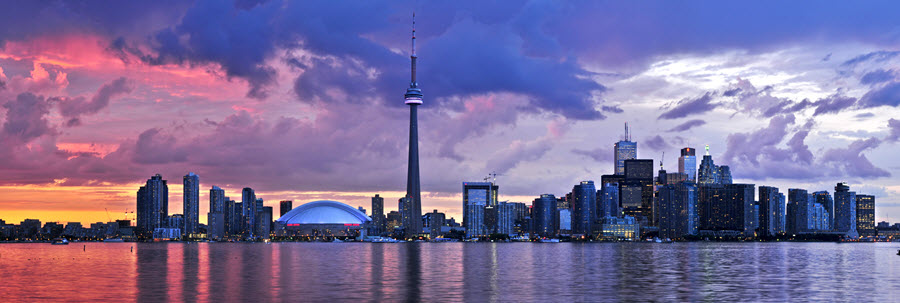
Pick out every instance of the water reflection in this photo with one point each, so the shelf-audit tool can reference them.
(219, 272)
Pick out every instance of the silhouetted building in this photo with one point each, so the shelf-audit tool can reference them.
(191, 206)
(377, 215)
(678, 210)
(636, 192)
(152, 206)
(215, 226)
(727, 208)
(865, 215)
(798, 211)
(286, 205)
(768, 211)
(608, 200)
(216, 200)
(506, 218)
(543, 216)
(250, 212)
(434, 221)
(584, 198)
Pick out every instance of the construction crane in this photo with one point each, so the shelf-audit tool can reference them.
(108, 218)
(492, 177)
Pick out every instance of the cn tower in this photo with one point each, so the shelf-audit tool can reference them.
(413, 197)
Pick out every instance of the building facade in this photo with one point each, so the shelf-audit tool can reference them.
(191, 206)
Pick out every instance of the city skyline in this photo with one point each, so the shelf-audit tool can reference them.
(91, 111)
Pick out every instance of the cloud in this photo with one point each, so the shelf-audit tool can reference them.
(657, 143)
(888, 94)
(687, 107)
(877, 76)
(72, 108)
(602, 154)
(833, 104)
(877, 56)
(757, 155)
(894, 126)
(25, 118)
(521, 151)
(612, 109)
(687, 125)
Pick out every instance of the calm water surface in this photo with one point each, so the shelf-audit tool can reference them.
(337, 272)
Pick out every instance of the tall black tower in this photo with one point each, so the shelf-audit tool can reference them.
(412, 217)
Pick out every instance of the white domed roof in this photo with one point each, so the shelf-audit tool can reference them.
(324, 212)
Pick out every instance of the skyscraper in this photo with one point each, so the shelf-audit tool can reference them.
(798, 211)
(625, 149)
(152, 205)
(768, 211)
(687, 163)
(249, 211)
(216, 200)
(477, 196)
(865, 215)
(377, 215)
(824, 198)
(543, 216)
(709, 172)
(285, 206)
(727, 208)
(845, 210)
(678, 211)
(413, 98)
(191, 204)
(636, 192)
(583, 214)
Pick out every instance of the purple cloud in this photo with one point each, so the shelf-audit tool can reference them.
(877, 76)
(25, 118)
(657, 143)
(894, 126)
(687, 107)
(757, 155)
(889, 94)
(687, 125)
(72, 108)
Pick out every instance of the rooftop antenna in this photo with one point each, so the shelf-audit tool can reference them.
(707, 149)
(661, 160)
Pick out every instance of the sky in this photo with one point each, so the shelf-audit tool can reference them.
(303, 100)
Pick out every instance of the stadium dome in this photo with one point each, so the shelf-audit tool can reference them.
(324, 212)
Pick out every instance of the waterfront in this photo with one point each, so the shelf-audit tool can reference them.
(450, 272)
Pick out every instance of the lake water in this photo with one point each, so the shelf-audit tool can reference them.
(475, 272)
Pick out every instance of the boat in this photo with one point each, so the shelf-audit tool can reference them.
(336, 240)
(114, 240)
(60, 241)
(549, 240)
(898, 252)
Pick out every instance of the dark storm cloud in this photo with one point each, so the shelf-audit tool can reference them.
(687, 125)
(687, 107)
